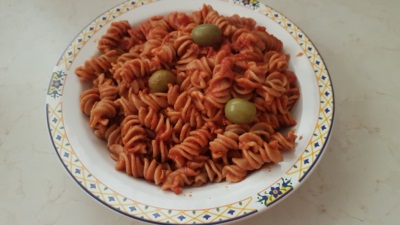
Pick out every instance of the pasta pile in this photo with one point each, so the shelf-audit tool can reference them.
(182, 137)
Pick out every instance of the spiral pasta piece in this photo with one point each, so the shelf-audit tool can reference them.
(274, 86)
(199, 16)
(250, 144)
(113, 135)
(180, 131)
(252, 78)
(199, 72)
(215, 57)
(95, 66)
(159, 150)
(218, 92)
(106, 87)
(213, 171)
(165, 54)
(133, 69)
(270, 41)
(286, 143)
(293, 93)
(222, 22)
(155, 101)
(87, 100)
(134, 53)
(192, 146)
(269, 118)
(240, 22)
(102, 112)
(286, 120)
(111, 40)
(149, 46)
(155, 22)
(278, 62)
(131, 163)
(189, 55)
(256, 152)
(157, 33)
(248, 41)
(209, 171)
(234, 173)
(227, 141)
(178, 20)
(263, 130)
(157, 122)
(136, 36)
(154, 171)
(133, 135)
(178, 178)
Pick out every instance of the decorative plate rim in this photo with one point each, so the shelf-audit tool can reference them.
(283, 187)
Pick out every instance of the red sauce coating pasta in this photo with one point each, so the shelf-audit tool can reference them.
(182, 137)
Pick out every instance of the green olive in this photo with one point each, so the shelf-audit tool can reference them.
(240, 111)
(159, 80)
(206, 34)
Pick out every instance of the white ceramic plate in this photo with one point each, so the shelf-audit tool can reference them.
(86, 159)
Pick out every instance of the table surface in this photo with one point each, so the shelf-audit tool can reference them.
(356, 182)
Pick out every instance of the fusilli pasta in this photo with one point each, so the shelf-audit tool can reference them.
(182, 137)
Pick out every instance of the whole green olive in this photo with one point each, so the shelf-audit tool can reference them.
(159, 80)
(206, 34)
(240, 111)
